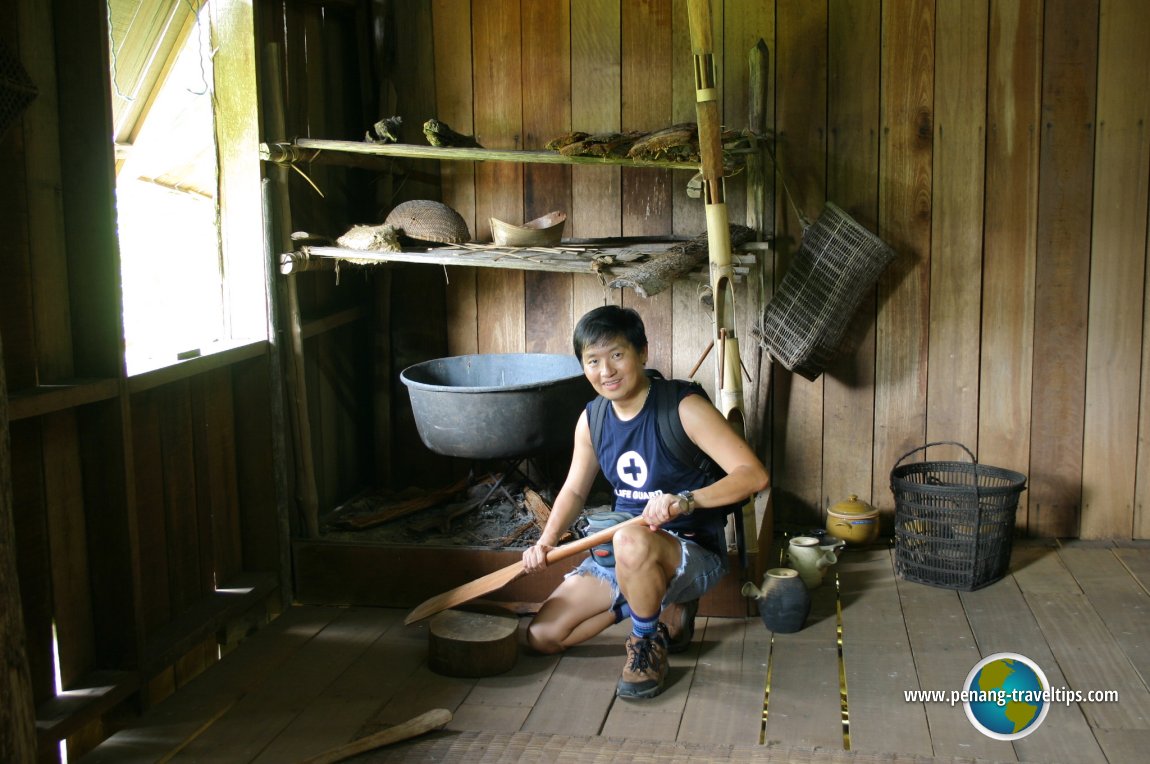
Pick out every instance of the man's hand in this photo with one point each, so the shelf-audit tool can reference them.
(535, 557)
(660, 510)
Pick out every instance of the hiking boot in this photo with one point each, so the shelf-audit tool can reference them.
(646, 669)
(679, 618)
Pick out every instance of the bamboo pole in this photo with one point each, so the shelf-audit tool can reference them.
(728, 382)
(306, 491)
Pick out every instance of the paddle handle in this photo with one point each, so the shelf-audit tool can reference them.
(585, 543)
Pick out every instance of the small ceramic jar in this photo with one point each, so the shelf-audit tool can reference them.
(853, 521)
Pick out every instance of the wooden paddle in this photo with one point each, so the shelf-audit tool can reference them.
(504, 576)
(425, 722)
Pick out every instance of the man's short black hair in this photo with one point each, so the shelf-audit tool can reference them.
(606, 323)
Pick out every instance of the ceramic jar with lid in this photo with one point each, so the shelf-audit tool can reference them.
(853, 521)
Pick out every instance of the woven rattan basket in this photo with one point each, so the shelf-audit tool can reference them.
(428, 220)
(838, 261)
(953, 521)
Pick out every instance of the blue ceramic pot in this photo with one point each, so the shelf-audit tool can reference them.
(785, 602)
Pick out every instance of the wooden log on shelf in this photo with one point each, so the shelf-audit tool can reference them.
(659, 273)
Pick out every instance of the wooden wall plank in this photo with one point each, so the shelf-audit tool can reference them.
(186, 556)
(647, 34)
(956, 236)
(17, 718)
(801, 130)
(646, 105)
(214, 443)
(853, 87)
(1117, 272)
(497, 40)
(451, 22)
(148, 485)
(1061, 287)
(907, 115)
(68, 546)
(547, 91)
(689, 215)
(33, 558)
(1013, 113)
(596, 192)
(41, 120)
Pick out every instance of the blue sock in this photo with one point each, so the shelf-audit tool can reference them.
(644, 628)
(622, 611)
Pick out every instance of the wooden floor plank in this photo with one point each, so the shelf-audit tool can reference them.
(341, 712)
(503, 702)
(944, 653)
(263, 713)
(1091, 659)
(804, 705)
(1124, 746)
(197, 704)
(877, 661)
(726, 700)
(1137, 561)
(1002, 623)
(581, 689)
(1120, 600)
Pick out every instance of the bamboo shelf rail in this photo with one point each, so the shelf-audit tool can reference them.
(307, 149)
(607, 261)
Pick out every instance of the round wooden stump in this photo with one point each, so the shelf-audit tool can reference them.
(469, 644)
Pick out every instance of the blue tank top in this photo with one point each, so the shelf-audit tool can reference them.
(638, 466)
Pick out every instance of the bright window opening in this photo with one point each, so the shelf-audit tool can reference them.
(189, 286)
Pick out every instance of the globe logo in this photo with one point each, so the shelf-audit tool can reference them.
(1006, 696)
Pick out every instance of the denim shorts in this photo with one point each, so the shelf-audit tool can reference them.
(699, 570)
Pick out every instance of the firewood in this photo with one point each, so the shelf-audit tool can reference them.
(537, 506)
(661, 272)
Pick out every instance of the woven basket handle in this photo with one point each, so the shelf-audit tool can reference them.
(973, 460)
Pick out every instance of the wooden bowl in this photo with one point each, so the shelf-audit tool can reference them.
(543, 231)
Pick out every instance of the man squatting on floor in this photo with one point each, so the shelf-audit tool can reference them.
(662, 566)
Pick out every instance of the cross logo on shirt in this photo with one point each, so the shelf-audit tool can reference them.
(631, 469)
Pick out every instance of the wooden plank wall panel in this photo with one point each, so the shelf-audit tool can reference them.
(596, 192)
(547, 114)
(496, 40)
(68, 546)
(41, 120)
(801, 129)
(155, 598)
(1062, 265)
(689, 215)
(33, 556)
(1117, 272)
(451, 23)
(184, 542)
(853, 87)
(956, 239)
(1014, 68)
(647, 34)
(214, 443)
(907, 116)
(16, 286)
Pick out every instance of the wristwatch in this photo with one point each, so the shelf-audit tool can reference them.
(686, 502)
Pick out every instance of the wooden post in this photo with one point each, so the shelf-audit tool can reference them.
(18, 710)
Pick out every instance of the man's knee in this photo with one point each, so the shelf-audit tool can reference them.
(542, 639)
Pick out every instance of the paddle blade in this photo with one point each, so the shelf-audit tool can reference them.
(469, 591)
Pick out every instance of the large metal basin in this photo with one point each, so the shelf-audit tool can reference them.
(497, 405)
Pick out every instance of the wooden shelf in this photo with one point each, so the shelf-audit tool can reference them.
(307, 149)
(609, 262)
